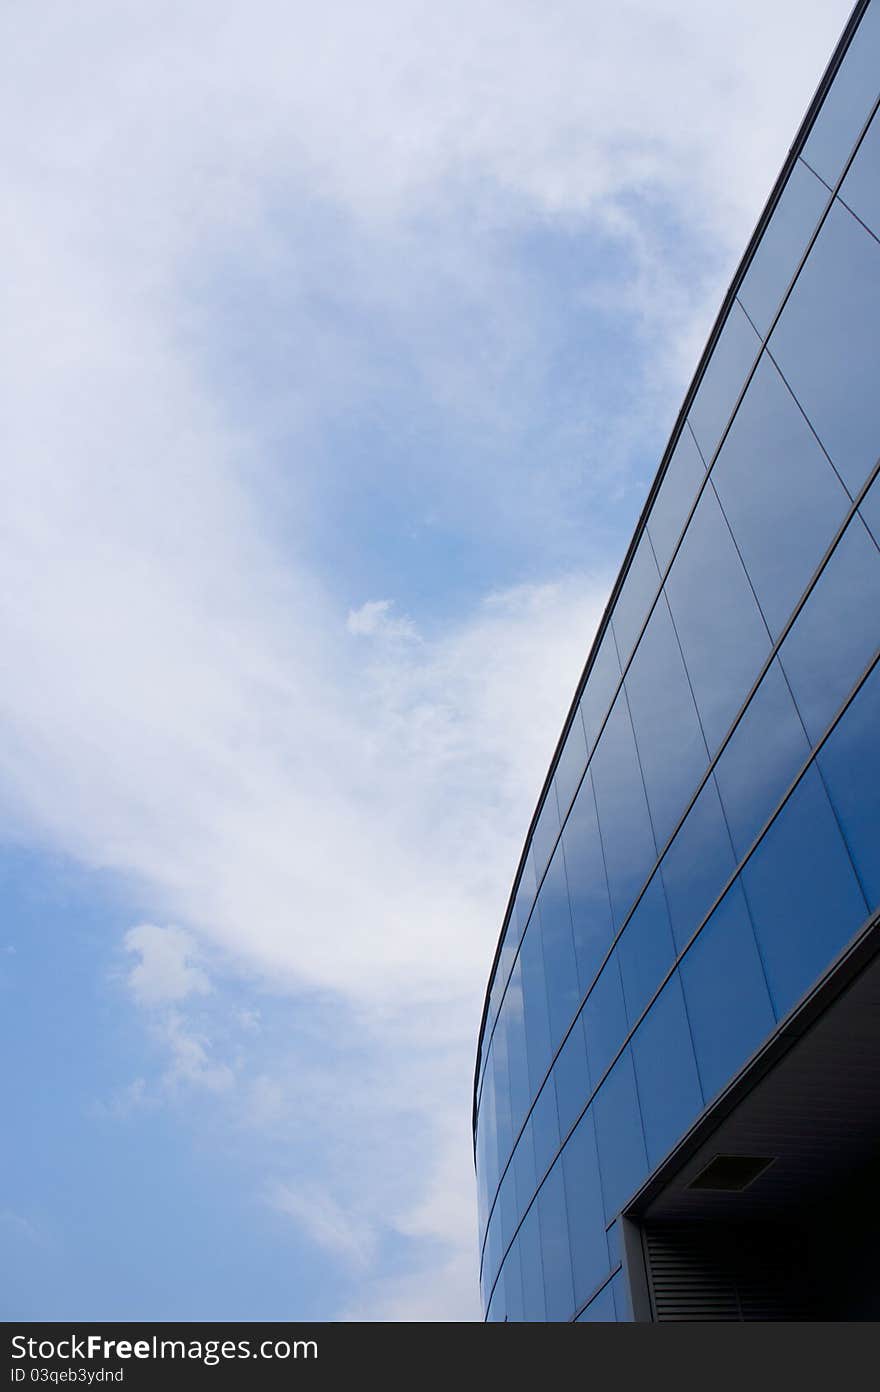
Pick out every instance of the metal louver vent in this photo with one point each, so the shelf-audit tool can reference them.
(731, 1172)
(709, 1272)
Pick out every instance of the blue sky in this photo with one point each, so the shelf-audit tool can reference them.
(342, 348)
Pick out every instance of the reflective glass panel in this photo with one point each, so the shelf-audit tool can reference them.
(623, 1162)
(546, 831)
(517, 1059)
(508, 1208)
(532, 1269)
(850, 764)
(670, 742)
(614, 1244)
(762, 757)
(697, 864)
(666, 1072)
(827, 343)
(803, 896)
(780, 495)
(678, 490)
(572, 762)
(848, 104)
(639, 588)
(525, 1171)
(571, 1077)
(557, 946)
(723, 637)
(600, 1309)
(627, 838)
(537, 1016)
(861, 187)
(586, 1213)
(726, 994)
(726, 371)
(870, 510)
(645, 950)
(604, 1018)
(587, 885)
(835, 635)
(794, 220)
(558, 1291)
(503, 1120)
(545, 1128)
(513, 1287)
(600, 687)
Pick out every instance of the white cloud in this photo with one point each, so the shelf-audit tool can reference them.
(374, 620)
(218, 213)
(165, 971)
(325, 1222)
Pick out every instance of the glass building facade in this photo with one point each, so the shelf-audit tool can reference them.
(706, 849)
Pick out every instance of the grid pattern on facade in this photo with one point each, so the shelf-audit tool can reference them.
(709, 841)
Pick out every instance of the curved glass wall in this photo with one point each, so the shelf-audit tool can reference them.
(709, 840)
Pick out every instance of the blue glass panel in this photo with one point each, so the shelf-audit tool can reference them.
(848, 104)
(835, 635)
(623, 1163)
(495, 1312)
(557, 945)
(723, 380)
(870, 510)
(529, 1239)
(600, 687)
(537, 1018)
(572, 762)
(723, 637)
(802, 893)
(850, 763)
(646, 950)
(513, 1286)
(727, 997)
(827, 343)
(525, 898)
(507, 1207)
(587, 885)
(586, 1212)
(627, 838)
(762, 757)
(503, 1120)
(600, 1309)
(794, 220)
(615, 1254)
(781, 497)
(525, 1173)
(678, 490)
(571, 1077)
(517, 1058)
(488, 1130)
(639, 588)
(546, 831)
(861, 187)
(666, 1072)
(558, 1291)
(604, 1018)
(697, 864)
(545, 1128)
(622, 1304)
(670, 742)
(494, 1249)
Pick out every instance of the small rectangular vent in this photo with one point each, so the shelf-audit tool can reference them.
(731, 1173)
